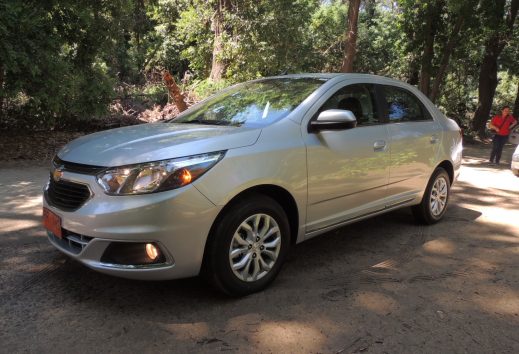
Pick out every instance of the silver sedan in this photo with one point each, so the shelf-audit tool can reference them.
(515, 161)
(227, 187)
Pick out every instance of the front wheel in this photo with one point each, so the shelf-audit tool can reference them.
(248, 246)
(435, 199)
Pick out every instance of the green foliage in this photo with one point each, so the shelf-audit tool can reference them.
(381, 43)
(506, 91)
(327, 35)
(49, 53)
(270, 37)
(192, 29)
(64, 59)
(263, 38)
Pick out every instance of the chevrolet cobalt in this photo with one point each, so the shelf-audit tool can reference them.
(227, 187)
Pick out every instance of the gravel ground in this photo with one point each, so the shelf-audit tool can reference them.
(384, 285)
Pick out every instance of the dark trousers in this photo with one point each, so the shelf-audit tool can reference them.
(498, 143)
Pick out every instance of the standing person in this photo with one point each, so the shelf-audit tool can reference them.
(502, 125)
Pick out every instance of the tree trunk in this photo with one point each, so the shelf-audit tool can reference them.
(218, 27)
(174, 91)
(139, 30)
(488, 70)
(1, 92)
(351, 36)
(428, 52)
(447, 51)
(414, 76)
(516, 104)
(487, 86)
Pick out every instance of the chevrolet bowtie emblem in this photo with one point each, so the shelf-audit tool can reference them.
(57, 174)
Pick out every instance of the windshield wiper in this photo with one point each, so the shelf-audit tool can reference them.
(208, 122)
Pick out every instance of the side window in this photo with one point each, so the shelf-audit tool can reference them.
(360, 99)
(403, 106)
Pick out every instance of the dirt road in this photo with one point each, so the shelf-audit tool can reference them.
(384, 285)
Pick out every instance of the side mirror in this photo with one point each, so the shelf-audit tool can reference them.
(334, 119)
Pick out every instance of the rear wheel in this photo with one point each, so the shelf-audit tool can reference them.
(435, 199)
(248, 246)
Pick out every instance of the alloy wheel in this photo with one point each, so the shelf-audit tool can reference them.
(255, 247)
(438, 197)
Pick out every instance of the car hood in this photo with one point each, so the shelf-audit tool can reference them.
(152, 142)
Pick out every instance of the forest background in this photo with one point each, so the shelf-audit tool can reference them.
(93, 64)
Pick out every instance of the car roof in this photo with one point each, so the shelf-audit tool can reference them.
(329, 76)
(383, 80)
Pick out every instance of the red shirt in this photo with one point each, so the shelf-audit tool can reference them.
(505, 128)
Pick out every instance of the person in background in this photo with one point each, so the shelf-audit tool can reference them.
(502, 125)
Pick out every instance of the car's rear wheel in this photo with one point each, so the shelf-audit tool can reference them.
(435, 199)
(248, 246)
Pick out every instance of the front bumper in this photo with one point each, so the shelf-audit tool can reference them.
(178, 221)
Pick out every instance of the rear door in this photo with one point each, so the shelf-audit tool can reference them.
(415, 141)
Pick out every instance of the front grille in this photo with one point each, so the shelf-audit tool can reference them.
(72, 242)
(66, 195)
(76, 167)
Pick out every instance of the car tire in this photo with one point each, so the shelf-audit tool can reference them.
(435, 199)
(248, 246)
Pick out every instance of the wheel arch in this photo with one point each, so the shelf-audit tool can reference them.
(449, 168)
(279, 194)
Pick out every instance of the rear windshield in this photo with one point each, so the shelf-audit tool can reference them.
(253, 104)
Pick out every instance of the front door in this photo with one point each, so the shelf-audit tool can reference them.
(348, 170)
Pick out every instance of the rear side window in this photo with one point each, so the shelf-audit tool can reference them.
(359, 99)
(403, 106)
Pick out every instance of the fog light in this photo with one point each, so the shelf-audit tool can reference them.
(152, 251)
(133, 254)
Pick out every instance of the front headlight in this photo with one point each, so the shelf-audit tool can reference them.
(156, 176)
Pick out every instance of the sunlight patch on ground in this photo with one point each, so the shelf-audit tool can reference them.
(489, 177)
(499, 215)
(22, 204)
(495, 214)
(280, 335)
(376, 302)
(440, 246)
(498, 300)
(10, 225)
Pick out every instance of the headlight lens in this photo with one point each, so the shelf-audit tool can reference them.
(156, 176)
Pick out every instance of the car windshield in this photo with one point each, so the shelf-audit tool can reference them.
(253, 104)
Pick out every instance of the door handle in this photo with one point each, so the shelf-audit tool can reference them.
(434, 139)
(379, 145)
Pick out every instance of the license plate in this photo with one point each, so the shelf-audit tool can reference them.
(52, 222)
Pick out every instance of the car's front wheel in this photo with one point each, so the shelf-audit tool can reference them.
(248, 246)
(435, 199)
